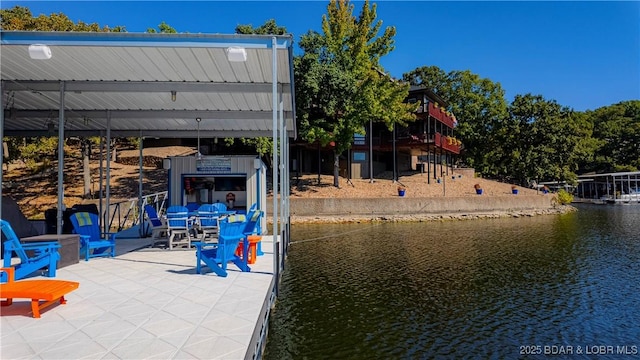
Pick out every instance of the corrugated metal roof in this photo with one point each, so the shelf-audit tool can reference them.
(130, 77)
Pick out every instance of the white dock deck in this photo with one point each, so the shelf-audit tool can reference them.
(146, 304)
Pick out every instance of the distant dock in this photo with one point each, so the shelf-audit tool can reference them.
(620, 188)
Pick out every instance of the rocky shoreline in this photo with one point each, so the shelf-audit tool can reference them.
(355, 219)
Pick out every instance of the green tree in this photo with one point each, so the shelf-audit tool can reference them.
(616, 128)
(480, 108)
(268, 28)
(21, 18)
(546, 140)
(163, 28)
(41, 150)
(532, 138)
(340, 84)
(432, 78)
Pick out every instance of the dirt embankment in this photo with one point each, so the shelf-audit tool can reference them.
(36, 193)
(416, 184)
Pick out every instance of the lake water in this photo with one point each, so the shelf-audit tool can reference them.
(566, 286)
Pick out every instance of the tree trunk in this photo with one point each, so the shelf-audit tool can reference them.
(86, 171)
(114, 156)
(336, 169)
(319, 165)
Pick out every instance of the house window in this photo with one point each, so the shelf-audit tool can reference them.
(359, 156)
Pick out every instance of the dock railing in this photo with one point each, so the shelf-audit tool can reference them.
(128, 213)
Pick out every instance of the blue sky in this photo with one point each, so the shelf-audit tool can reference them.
(584, 55)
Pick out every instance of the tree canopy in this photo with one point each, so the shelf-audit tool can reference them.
(340, 84)
(533, 138)
(479, 106)
(268, 28)
(616, 128)
(544, 140)
(163, 28)
(21, 18)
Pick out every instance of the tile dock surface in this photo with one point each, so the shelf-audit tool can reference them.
(145, 304)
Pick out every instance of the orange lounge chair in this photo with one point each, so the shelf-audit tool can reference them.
(51, 291)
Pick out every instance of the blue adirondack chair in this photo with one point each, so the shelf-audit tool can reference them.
(253, 218)
(45, 254)
(220, 207)
(178, 226)
(158, 227)
(216, 256)
(91, 241)
(207, 220)
(251, 227)
(257, 228)
(192, 206)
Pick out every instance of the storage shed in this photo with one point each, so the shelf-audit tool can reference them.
(237, 181)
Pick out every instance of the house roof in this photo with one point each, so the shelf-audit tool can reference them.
(421, 89)
(130, 77)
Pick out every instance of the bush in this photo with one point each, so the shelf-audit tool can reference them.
(564, 197)
(36, 153)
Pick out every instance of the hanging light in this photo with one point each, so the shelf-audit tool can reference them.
(198, 154)
(173, 95)
(50, 124)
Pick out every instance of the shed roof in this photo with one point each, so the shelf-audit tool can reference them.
(130, 77)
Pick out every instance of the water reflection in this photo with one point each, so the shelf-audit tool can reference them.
(479, 288)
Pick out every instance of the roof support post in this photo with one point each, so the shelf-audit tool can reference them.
(274, 166)
(60, 160)
(101, 194)
(371, 150)
(287, 161)
(2, 141)
(283, 181)
(395, 166)
(141, 230)
(107, 190)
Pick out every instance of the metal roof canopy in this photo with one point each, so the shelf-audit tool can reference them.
(127, 80)
(616, 174)
(124, 84)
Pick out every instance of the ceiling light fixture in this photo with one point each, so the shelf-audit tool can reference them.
(50, 124)
(39, 52)
(236, 54)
